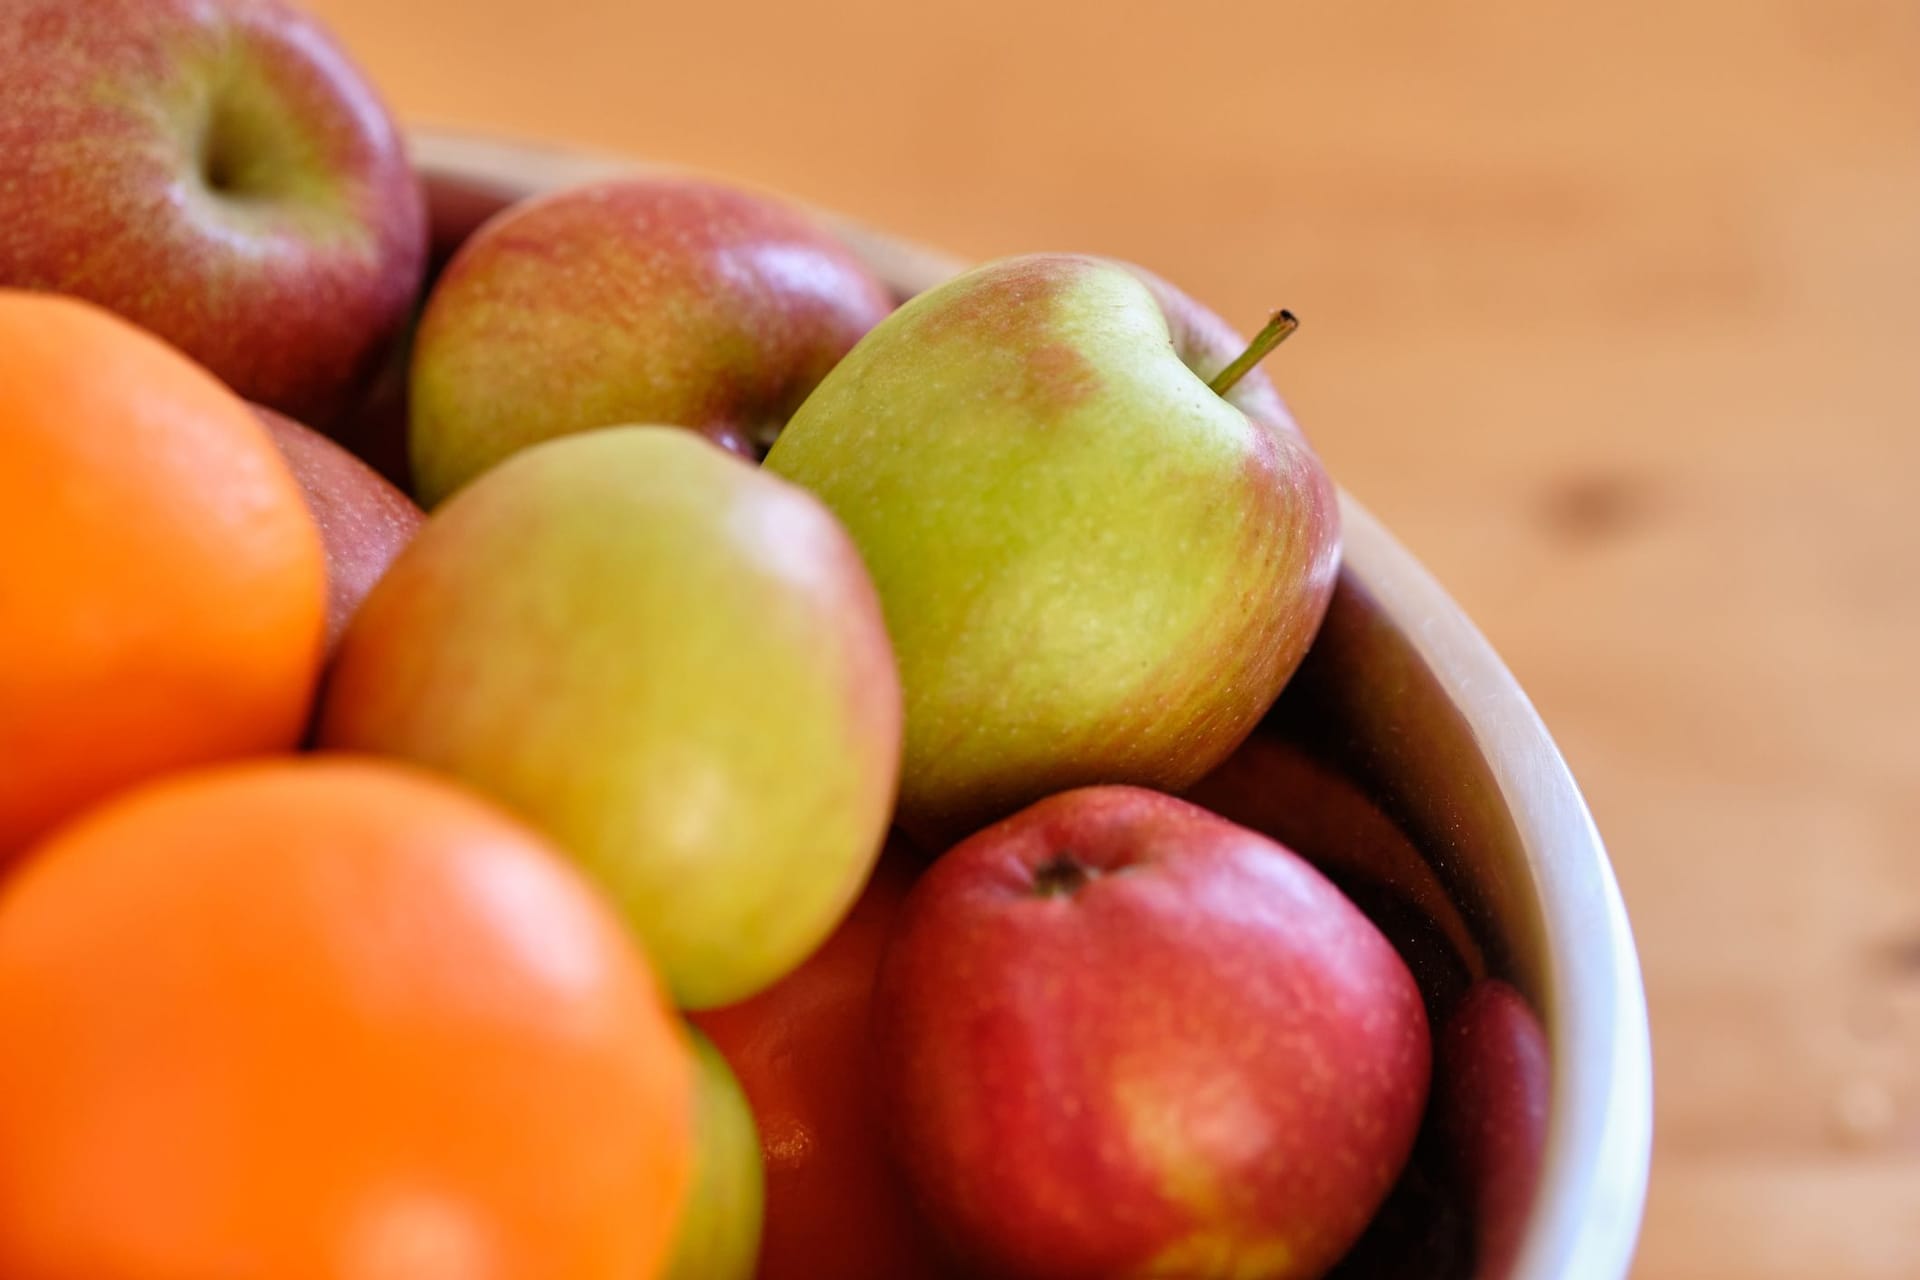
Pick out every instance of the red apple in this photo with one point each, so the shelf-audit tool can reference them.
(664, 301)
(363, 520)
(1119, 1035)
(1491, 1086)
(835, 1206)
(218, 172)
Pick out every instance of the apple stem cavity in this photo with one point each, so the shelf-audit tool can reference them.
(222, 153)
(1280, 325)
(1061, 876)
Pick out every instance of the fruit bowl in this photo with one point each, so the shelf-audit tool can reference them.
(1438, 800)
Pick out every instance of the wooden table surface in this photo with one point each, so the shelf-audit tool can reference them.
(1612, 312)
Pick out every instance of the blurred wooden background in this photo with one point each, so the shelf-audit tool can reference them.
(1612, 312)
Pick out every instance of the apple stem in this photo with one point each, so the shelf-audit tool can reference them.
(1279, 326)
(1061, 876)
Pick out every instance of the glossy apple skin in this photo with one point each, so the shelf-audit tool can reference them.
(1094, 569)
(364, 521)
(720, 1227)
(670, 661)
(219, 172)
(660, 300)
(835, 1202)
(1200, 1060)
(1492, 1084)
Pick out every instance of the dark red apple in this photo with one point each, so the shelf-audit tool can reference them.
(1491, 1086)
(835, 1205)
(663, 300)
(217, 171)
(1119, 1035)
(363, 520)
(1279, 789)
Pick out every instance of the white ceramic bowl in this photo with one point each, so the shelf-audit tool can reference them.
(1405, 699)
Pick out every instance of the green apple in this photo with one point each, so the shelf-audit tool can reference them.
(720, 1227)
(671, 661)
(1095, 566)
(645, 299)
(220, 173)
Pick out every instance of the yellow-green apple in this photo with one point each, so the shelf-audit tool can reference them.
(217, 171)
(720, 1226)
(1118, 1035)
(1095, 566)
(660, 300)
(670, 660)
(363, 520)
(1492, 1081)
(801, 1049)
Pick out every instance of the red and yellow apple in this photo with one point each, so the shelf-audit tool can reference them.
(666, 658)
(1097, 565)
(218, 172)
(1118, 1035)
(657, 300)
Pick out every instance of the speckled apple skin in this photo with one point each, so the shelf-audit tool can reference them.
(1205, 1062)
(122, 120)
(656, 300)
(1094, 568)
(363, 520)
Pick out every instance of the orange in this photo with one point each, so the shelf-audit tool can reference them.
(325, 1017)
(162, 588)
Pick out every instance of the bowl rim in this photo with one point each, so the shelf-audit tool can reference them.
(1586, 1214)
(1585, 1218)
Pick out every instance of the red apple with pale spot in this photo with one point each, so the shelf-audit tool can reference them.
(666, 301)
(220, 173)
(1117, 1035)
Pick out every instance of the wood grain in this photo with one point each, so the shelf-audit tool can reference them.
(1610, 312)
